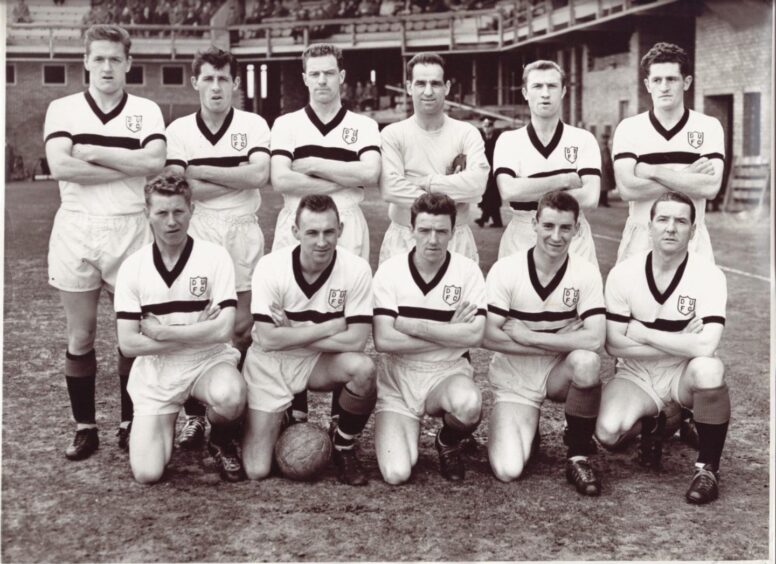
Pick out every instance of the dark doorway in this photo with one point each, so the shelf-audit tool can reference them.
(721, 107)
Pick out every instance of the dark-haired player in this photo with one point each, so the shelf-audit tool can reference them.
(224, 154)
(100, 144)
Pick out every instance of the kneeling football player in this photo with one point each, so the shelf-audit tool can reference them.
(665, 313)
(429, 310)
(175, 308)
(312, 311)
(546, 324)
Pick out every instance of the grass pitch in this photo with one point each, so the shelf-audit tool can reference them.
(55, 510)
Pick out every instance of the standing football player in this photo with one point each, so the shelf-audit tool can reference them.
(544, 156)
(429, 310)
(668, 148)
(430, 152)
(224, 154)
(665, 313)
(100, 146)
(312, 311)
(175, 310)
(546, 324)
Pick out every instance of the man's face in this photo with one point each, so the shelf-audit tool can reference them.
(544, 91)
(169, 217)
(432, 234)
(323, 79)
(428, 89)
(487, 128)
(671, 229)
(215, 87)
(554, 231)
(317, 233)
(666, 85)
(107, 65)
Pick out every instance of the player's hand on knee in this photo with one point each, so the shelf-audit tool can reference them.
(464, 313)
(210, 312)
(150, 326)
(694, 326)
(278, 316)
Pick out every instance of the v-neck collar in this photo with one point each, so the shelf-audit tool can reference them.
(544, 291)
(105, 117)
(169, 276)
(209, 135)
(545, 151)
(325, 128)
(661, 298)
(424, 286)
(309, 290)
(669, 133)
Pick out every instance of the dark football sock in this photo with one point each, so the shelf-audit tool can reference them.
(222, 433)
(80, 375)
(711, 409)
(581, 412)
(193, 407)
(454, 430)
(335, 409)
(354, 411)
(124, 367)
(299, 407)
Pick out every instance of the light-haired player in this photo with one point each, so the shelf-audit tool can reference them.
(668, 148)
(544, 156)
(175, 308)
(665, 312)
(224, 154)
(429, 310)
(546, 325)
(312, 311)
(430, 152)
(100, 146)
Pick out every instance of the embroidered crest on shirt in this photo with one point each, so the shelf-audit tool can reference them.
(685, 305)
(239, 141)
(349, 135)
(451, 295)
(695, 139)
(337, 298)
(198, 286)
(570, 296)
(571, 154)
(134, 123)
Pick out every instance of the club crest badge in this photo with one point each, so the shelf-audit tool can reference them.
(570, 296)
(349, 135)
(239, 141)
(337, 298)
(571, 154)
(686, 305)
(198, 286)
(134, 123)
(451, 295)
(695, 139)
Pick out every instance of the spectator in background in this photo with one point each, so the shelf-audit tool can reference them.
(491, 199)
(370, 96)
(21, 13)
(177, 14)
(607, 168)
(388, 7)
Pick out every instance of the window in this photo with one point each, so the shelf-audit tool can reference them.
(172, 76)
(752, 124)
(10, 74)
(134, 76)
(54, 74)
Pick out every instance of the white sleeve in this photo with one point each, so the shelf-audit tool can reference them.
(258, 136)
(504, 160)
(589, 160)
(126, 298)
(623, 143)
(499, 295)
(57, 123)
(475, 293)
(359, 301)
(616, 296)
(282, 138)
(176, 146)
(223, 293)
(155, 129)
(591, 294)
(263, 290)
(384, 293)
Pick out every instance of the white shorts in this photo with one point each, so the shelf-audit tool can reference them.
(86, 250)
(661, 383)
(355, 231)
(274, 377)
(521, 378)
(240, 235)
(403, 385)
(159, 384)
(520, 236)
(398, 239)
(636, 239)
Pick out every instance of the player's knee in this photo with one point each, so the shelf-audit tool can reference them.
(80, 341)
(706, 372)
(256, 470)
(146, 474)
(609, 429)
(395, 474)
(362, 372)
(465, 401)
(506, 471)
(586, 367)
(228, 396)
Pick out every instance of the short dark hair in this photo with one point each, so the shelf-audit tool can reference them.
(666, 53)
(323, 50)
(168, 185)
(317, 203)
(434, 204)
(558, 200)
(543, 64)
(425, 59)
(216, 57)
(673, 197)
(107, 32)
